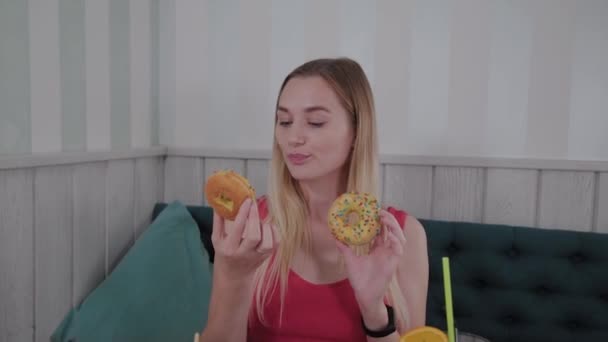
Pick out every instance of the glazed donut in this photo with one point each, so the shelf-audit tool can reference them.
(354, 218)
(226, 190)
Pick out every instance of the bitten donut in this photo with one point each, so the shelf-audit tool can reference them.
(354, 218)
(226, 190)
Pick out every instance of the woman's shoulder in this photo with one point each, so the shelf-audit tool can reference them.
(400, 214)
(407, 221)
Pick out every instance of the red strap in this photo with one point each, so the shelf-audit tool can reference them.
(262, 207)
(400, 215)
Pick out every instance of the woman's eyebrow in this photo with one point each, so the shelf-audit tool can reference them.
(316, 109)
(307, 109)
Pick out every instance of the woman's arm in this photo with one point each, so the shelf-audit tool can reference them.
(228, 310)
(239, 251)
(413, 272)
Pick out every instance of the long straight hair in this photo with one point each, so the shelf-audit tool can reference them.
(288, 209)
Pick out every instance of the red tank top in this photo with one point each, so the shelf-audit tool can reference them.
(311, 312)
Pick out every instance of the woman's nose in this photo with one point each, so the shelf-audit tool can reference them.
(296, 136)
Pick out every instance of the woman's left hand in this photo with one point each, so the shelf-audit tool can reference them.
(370, 274)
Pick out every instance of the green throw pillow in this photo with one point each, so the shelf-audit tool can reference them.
(158, 292)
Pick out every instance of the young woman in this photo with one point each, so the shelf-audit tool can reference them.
(279, 274)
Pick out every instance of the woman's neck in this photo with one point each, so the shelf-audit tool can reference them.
(321, 193)
(319, 265)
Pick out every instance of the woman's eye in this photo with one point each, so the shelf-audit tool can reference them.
(284, 123)
(317, 124)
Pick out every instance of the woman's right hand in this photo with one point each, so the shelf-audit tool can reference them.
(243, 244)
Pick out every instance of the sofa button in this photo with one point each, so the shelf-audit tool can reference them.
(542, 290)
(452, 248)
(480, 283)
(578, 258)
(513, 252)
(510, 319)
(573, 325)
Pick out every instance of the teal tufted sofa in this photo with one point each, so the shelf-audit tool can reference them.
(520, 284)
(509, 284)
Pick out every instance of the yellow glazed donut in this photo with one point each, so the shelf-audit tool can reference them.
(354, 218)
(226, 190)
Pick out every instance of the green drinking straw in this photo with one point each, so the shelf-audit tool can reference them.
(447, 287)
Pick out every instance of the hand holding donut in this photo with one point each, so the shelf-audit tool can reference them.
(240, 240)
(371, 270)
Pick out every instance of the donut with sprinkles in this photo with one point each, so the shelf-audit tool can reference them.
(354, 218)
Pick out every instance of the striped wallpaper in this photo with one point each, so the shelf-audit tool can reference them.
(500, 78)
(78, 75)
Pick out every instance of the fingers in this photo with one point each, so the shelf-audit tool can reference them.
(391, 237)
(391, 222)
(389, 219)
(236, 233)
(217, 230)
(252, 235)
(267, 242)
(394, 243)
(398, 232)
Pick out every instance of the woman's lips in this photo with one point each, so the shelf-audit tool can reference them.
(297, 158)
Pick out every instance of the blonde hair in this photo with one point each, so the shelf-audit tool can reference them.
(287, 208)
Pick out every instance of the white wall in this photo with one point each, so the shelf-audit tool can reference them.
(513, 78)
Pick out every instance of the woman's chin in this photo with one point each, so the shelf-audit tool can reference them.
(301, 172)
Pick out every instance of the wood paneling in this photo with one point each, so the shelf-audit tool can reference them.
(184, 180)
(53, 230)
(257, 173)
(566, 200)
(601, 207)
(16, 255)
(149, 180)
(510, 197)
(458, 194)
(89, 233)
(120, 205)
(409, 188)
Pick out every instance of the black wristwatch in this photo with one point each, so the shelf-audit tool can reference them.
(389, 329)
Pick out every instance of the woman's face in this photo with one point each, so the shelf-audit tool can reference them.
(314, 132)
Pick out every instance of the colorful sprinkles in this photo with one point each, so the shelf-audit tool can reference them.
(367, 226)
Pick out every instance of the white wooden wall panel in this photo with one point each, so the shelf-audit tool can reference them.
(185, 179)
(216, 164)
(53, 239)
(89, 228)
(510, 197)
(62, 227)
(409, 188)
(458, 193)
(566, 200)
(85, 215)
(149, 179)
(16, 255)
(120, 202)
(601, 224)
(257, 173)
